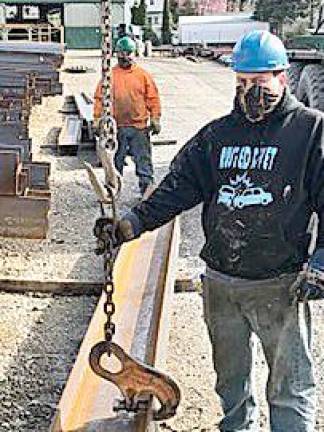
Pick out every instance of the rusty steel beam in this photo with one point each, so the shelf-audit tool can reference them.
(39, 174)
(10, 167)
(64, 287)
(23, 150)
(27, 72)
(24, 216)
(144, 274)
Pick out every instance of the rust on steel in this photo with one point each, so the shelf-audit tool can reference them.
(144, 274)
(66, 287)
(27, 72)
(24, 216)
(24, 196)
(136, 380)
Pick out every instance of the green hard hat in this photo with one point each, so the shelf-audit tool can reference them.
(125, 44)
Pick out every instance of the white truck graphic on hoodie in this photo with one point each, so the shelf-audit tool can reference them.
(229, 196)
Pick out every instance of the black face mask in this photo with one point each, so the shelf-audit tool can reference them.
(125, 62)
(256, 102)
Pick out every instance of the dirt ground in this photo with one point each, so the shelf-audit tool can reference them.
(40, 334)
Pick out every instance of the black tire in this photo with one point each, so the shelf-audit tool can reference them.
(294, 73)
(310, 90)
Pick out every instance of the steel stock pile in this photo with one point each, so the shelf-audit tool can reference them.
(28, 71)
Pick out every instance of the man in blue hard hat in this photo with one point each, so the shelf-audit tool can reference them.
(259, 172)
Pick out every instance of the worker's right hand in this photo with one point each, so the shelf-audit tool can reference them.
(155, 126)
(313, 288)
(110, 237)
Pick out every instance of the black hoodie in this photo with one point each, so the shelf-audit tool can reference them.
(259, 184)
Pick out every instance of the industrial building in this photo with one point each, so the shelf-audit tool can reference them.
(74, 22)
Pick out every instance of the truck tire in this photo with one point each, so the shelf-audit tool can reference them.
(310, 89)
(294, 73)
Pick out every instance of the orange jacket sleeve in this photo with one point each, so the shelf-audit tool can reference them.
(152, 97)
(97, 106)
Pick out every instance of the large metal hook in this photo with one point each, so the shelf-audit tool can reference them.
(136, 379)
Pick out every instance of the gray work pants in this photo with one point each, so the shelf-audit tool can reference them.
(236, 308)
(135, 143)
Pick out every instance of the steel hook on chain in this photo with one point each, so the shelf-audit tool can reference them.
(136, 379)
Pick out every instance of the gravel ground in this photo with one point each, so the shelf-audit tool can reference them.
(40, 335)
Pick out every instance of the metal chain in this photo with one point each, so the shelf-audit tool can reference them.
(109, 286)
(108, 137)
(108, 130)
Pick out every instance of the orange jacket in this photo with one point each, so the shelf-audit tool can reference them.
(135, 97)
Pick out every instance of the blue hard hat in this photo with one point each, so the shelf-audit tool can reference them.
(259, 51)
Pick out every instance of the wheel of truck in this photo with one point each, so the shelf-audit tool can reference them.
(310, 89)
(294, 73)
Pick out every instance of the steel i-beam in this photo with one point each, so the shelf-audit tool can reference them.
(144, 275)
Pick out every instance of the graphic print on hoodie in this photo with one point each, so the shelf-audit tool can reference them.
(241, 190)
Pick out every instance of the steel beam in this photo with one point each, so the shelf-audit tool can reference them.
(44, 48)
(27, 72)
(144, 275)
(24, 216)
(23, 151)
(10, 167)
(85, 107)
(39, 174)
(70, 135)
(64, 287)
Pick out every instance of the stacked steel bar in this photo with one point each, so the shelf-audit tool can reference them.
(28, 71)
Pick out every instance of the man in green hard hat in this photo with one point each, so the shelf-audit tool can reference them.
(137, 110)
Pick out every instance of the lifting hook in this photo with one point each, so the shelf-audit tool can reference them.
(136, 379)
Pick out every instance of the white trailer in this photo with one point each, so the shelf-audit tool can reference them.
(217, 29)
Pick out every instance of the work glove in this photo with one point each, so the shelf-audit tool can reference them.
(313, 287)
(107, 237)
(155, 126)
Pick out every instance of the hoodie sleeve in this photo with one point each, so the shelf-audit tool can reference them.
(181, 189)
(152, 97)
(316, 189)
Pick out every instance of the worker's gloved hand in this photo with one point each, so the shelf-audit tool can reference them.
(155, 126)
(313, 288)
(107, 237)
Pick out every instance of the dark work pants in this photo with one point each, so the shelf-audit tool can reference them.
(236, 309)
(135, 143)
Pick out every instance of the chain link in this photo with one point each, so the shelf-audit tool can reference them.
(109, 306)
(109, 286)
(108, 130)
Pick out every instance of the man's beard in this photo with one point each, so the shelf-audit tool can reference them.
(125, 63)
